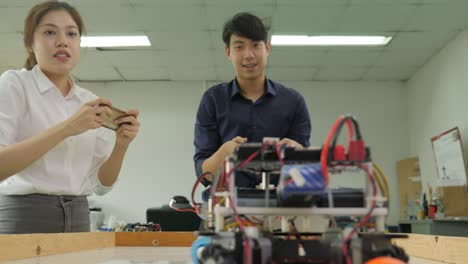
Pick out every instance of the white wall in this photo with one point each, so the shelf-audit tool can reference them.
(437, 97)
(159, 163)
(380, 108)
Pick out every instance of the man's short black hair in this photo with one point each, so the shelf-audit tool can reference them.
(245, 25)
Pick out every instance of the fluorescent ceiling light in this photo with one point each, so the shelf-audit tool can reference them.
(115, 41)
(298, 40)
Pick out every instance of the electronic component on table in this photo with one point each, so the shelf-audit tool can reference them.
(303, 190)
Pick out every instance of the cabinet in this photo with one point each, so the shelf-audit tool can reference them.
(442, 227)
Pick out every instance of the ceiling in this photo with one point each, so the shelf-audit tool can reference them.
(186, 37)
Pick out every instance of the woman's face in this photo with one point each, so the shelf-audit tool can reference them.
(56, 43)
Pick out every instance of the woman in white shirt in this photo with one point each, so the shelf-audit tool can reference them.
(53, 150)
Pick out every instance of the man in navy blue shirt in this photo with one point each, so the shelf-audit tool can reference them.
(248, 108)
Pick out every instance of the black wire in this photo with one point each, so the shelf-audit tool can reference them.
(335, 138)
(357, 129)
(197, 183)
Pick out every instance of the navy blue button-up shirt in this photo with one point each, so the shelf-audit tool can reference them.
(224, 113)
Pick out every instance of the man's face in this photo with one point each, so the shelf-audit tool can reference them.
(248, 57)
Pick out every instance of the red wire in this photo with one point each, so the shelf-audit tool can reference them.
(247, 255)
(182, 210)
(245, 162)
(195, 209)
(350, 131)
(326, 148)
(225, 179)
(365, 219)
(278, 153)
(221, 183)
(324, 164)
(199, 180)
(256, 219)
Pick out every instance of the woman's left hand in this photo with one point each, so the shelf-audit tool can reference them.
(128, 129)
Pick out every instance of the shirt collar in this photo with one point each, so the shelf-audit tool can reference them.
(44, 84)
(270, 89)
(73, 90)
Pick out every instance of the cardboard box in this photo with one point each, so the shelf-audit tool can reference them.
(409, 182)
(455, 200)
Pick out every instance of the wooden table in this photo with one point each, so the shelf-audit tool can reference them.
(174, 247)
(136, 255)
(116, 255)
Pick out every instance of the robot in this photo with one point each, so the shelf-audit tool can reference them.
(259, 225)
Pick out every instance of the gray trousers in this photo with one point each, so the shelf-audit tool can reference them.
(41, 213)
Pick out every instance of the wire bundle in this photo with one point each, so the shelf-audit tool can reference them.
(334, 155)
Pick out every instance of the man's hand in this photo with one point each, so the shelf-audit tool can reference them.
(229, 147)
(290, 143)
(213, 163)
